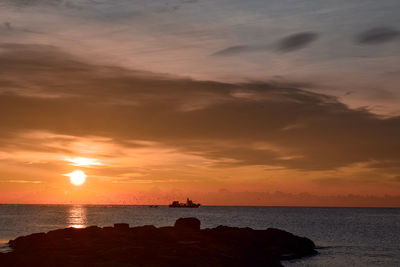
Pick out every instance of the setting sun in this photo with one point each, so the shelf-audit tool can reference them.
(77, 177)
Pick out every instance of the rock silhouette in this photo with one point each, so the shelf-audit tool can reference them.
(187, 224)
(182, 245)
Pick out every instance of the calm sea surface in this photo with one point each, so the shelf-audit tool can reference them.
(345, 236)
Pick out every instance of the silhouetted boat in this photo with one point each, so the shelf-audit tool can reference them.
(188, 204)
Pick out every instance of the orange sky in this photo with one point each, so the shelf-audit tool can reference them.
(142, 138)
(173, 108)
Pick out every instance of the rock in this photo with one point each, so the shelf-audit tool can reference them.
(185, 244)
(190, 223)
(292, 246)
(121, 226)
(94, 227)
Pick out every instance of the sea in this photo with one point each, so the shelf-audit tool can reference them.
(343, 236)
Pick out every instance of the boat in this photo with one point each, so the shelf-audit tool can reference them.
(188, 204)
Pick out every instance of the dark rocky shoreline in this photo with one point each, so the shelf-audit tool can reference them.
(184, 244)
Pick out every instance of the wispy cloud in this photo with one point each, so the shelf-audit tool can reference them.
(288, 44)
(378, 35)
(233, 50)
(21, 181)
(296, 41)
(81, 161)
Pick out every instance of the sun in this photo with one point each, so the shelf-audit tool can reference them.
(77, 177)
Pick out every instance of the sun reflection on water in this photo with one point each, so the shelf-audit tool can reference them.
(77, 216)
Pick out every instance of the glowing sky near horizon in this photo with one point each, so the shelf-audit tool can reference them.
(228, 101)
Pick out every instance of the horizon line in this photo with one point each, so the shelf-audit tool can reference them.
(166, 205)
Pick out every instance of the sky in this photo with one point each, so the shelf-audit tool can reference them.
(227, 102)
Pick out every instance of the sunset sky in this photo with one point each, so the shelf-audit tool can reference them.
(228, 102)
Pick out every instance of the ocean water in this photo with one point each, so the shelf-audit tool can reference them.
(344, 236)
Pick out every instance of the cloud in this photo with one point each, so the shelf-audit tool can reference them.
(296, 41)
(240, 49)
(21, 181)
(331, 181)
(48, 90)
(233, 50)
(377, 36)
(290, 43)
(7, 25)
(172, 6)
(279, 198)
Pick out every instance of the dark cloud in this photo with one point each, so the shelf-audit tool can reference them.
(296, 41)
(170, 6)
(240, 49)
(28, 3)
(7, 25)
(392, 73)
(288, 44)
(233, 50)
(377, 36)
(43, 88)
